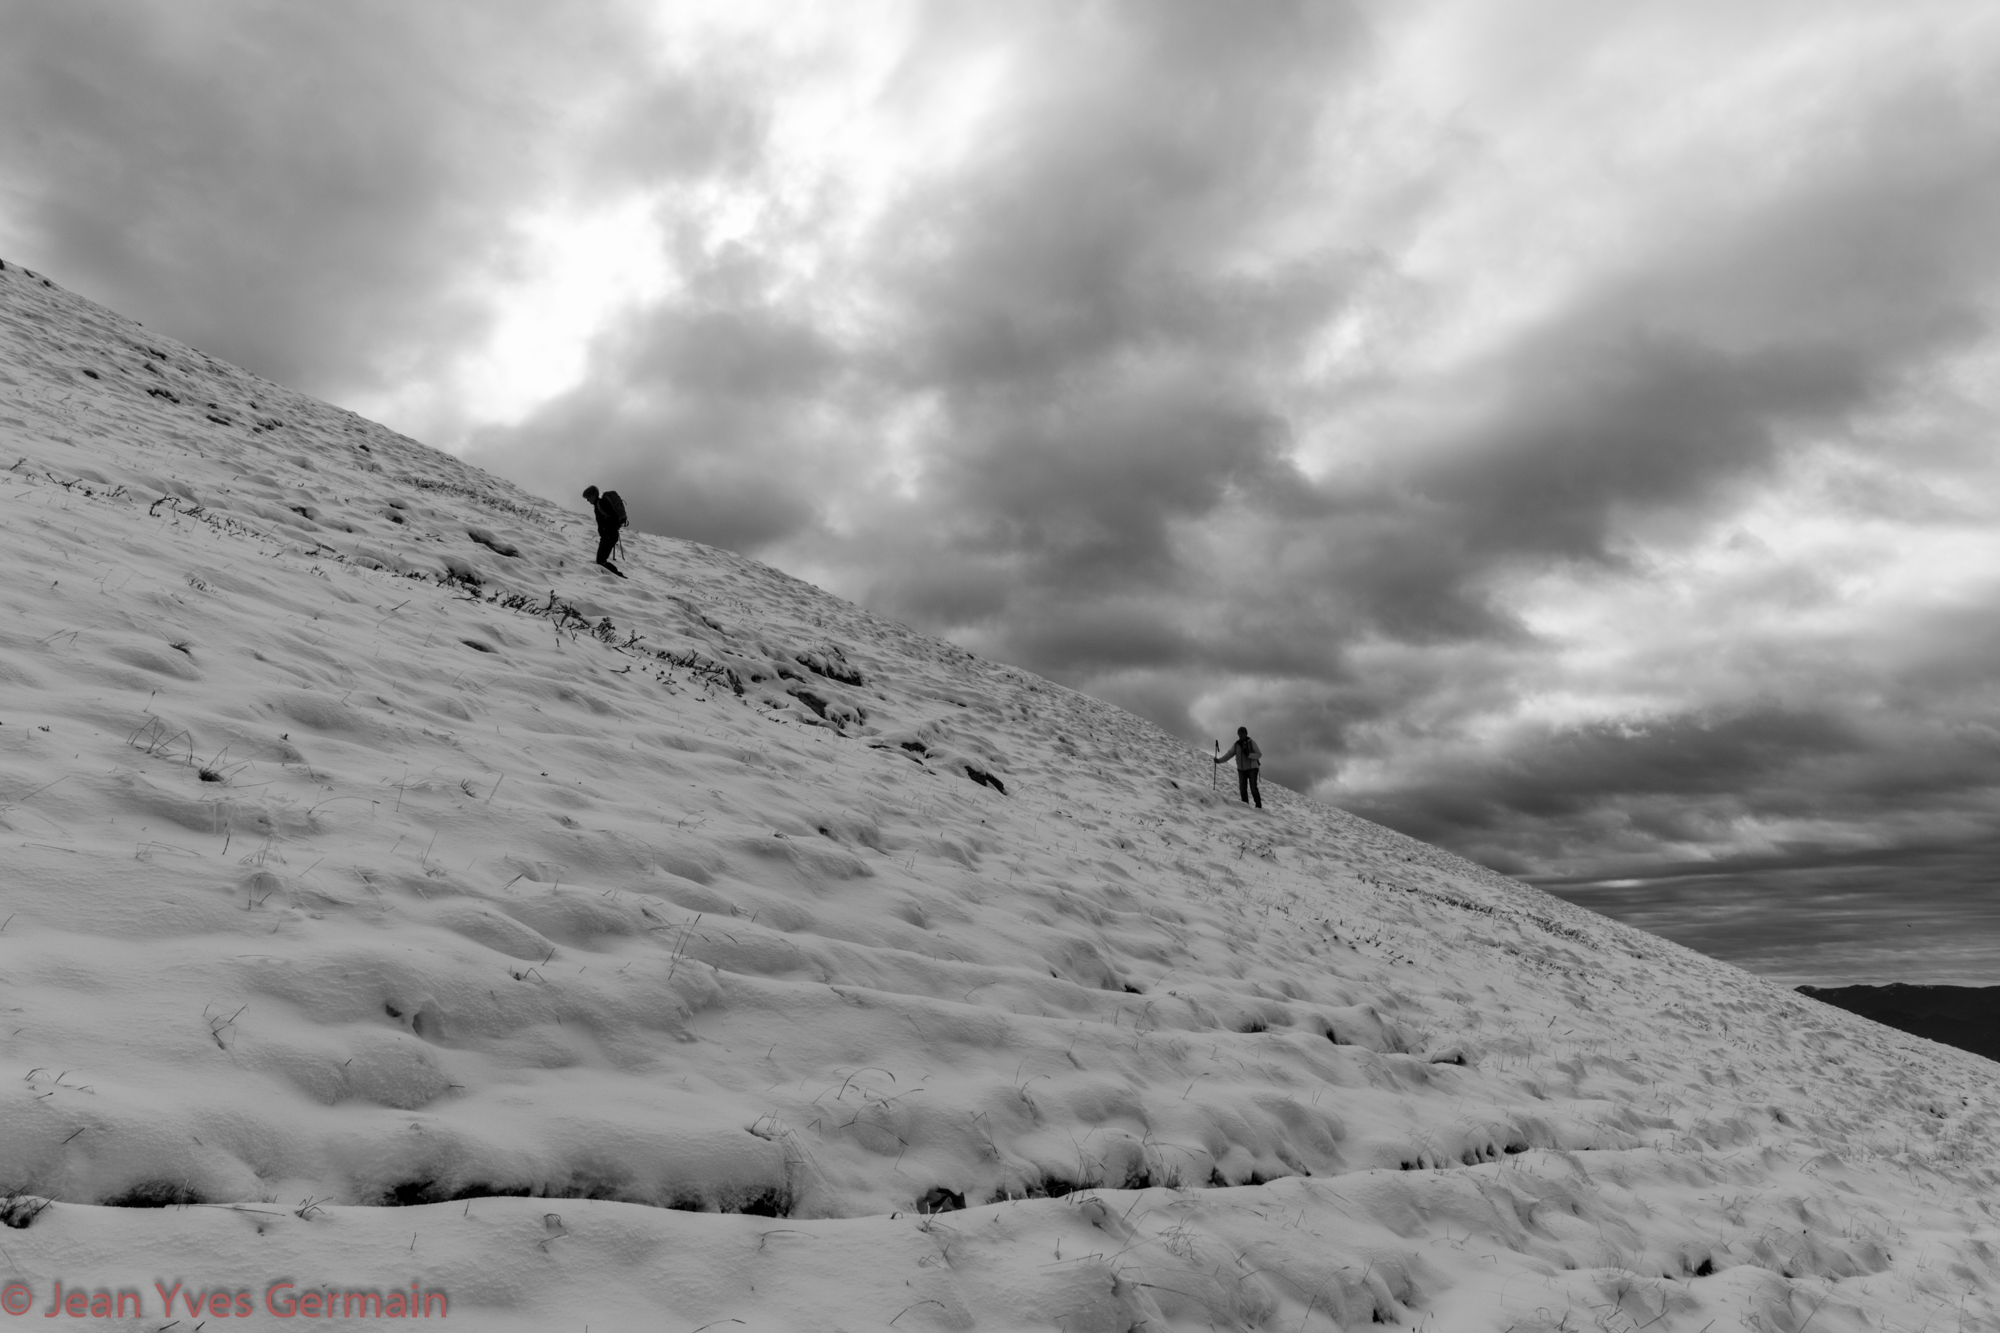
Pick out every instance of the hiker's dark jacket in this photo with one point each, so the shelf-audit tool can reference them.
(610, 511)
(1248, 757)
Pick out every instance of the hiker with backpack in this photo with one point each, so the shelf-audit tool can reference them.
(1248, 760)
(610, 511)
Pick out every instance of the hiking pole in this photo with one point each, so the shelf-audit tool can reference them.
(1213, 780)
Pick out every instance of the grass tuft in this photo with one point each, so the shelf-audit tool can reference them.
(19, 1211)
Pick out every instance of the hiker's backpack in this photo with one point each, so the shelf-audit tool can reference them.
(610, 505)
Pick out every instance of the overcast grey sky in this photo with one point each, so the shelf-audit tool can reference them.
(1562, 431)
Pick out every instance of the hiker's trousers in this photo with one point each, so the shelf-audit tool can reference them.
(1246, 786)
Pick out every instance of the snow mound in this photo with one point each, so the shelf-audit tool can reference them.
(393, 898)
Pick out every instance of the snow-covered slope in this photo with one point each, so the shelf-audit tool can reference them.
(389, 897)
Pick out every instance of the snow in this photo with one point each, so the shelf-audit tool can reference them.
(390, 897)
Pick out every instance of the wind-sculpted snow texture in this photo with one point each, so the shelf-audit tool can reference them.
(396, 897)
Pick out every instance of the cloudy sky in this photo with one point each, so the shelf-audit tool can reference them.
(1562, 431)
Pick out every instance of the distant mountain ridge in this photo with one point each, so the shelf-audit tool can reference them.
(1967, 1017)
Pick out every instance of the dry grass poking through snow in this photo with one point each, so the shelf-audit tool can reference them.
(389, 896)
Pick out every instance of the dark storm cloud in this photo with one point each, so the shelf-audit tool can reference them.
(328, 194)
(1676, 390)
(313, 191)
(1667, 387)
(1113, 477)
(702, 415)
(1594, 425)
(720, 419)
(1091, 367)
(690, 126)
(1923, 913)
(1091, 226)
(1086, 492)
(1859, 834)
(1095, 357)
(1659, 775)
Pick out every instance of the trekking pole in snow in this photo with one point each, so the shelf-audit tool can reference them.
(1212, 778)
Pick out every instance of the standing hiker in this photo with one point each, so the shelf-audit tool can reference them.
(1248, 760)
(610, 511)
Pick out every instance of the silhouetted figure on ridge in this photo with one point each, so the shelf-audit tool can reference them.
(1248, 760)
(610, 511)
